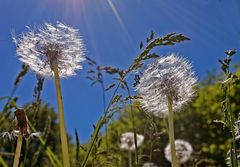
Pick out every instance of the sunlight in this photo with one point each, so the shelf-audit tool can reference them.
(115, 12)
(68, 7)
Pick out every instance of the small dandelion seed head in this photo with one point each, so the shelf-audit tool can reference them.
(127, 141)
(183, 151)
(50, 45)
(8, 135)
(14, 135)
(149, 164)
(166, 76)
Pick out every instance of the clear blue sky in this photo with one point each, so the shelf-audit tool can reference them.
(112, 31)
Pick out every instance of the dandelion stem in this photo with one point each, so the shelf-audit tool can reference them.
(129, 158)
(18, 150)
(63, 134)
(171, 132)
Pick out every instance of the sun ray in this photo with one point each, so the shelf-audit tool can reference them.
(118, 17)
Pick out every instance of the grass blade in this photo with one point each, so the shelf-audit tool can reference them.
(91, 144)
(2, 162)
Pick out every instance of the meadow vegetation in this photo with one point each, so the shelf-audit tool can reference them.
(135, 126)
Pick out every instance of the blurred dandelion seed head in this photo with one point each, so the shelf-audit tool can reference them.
(149, 164)
(127, 141)
(183, 151)
(14, 134)
(49, 45)
(166, 76)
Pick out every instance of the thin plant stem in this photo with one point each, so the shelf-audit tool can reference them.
(129, 158)
(104, 109)
(18, 150)
(63, 134)
(134, 129)
(26, 152)
(48, 150)
(228, 104)
(171, 132)
(151, 152)
(2, 162)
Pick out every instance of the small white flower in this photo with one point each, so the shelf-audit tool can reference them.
(50, 45)
(149, 164)
(166, 76)
(127, 141)
(183, 151)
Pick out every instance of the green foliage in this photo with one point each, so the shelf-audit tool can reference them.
(205, 123)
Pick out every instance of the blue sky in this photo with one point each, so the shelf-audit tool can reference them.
(112, 31)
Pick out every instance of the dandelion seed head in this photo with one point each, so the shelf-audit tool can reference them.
(14, 135)
(8, 135)
(49, 45)
(149, 164)
(183, 151)
(127, 141)
(166, 76)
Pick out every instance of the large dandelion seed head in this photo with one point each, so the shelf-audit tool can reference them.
(183, 151)
(149, 164)
(50, 45)
(169, 76)
(127, 141)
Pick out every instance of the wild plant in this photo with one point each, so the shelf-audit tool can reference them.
(167, 85)
(227, 84)
(152, 42)
(53, 51)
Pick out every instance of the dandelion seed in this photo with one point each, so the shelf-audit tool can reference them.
(50, 45)
(166, 76)
(183, 151)
(14, 135)
(149, 164)
(8, 135)
(127, 141)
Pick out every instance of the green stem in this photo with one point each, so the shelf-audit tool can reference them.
(18, 150)
(52, 157)
(63, 134)
(171, 132)
(2, 162)
(129, 158)
(134, 129)
(104, 109)
(228, 104)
